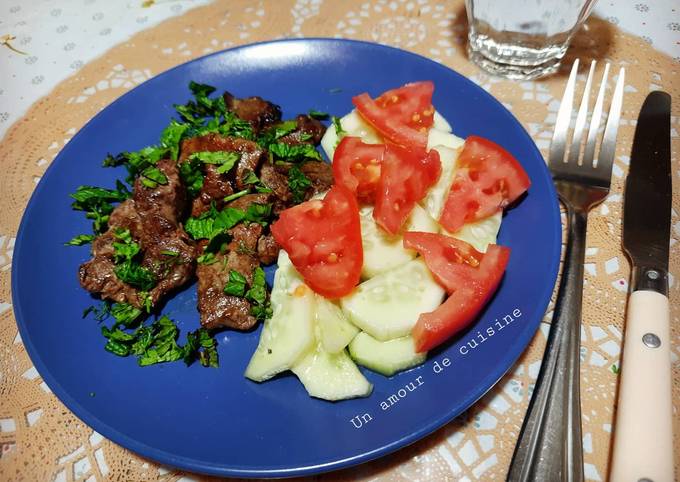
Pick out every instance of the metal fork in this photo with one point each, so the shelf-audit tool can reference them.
(550, 444)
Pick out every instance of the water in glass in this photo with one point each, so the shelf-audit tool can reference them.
(522, 39)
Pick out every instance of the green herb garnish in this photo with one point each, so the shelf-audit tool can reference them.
(298, 184)
(295, 152)
(225, 160)
(80, 240)
(236, 286)
(152, 177)
(257, 295)
(317, 114)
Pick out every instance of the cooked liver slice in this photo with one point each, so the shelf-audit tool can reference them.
(217, 186)
(218, 309)
(152, 216)
(308, 131)
(257, 111)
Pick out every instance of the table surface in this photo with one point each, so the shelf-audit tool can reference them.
(85, 53)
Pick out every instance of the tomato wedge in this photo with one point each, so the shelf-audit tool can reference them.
(356, 166)
(405, 177)
(470, 277)
(402, 115)
(487, 180)
(323, 240)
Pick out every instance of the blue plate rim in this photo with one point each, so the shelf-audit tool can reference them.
(193, 465)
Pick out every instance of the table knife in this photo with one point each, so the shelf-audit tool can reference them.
(643, 438)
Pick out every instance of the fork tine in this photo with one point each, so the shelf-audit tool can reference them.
(559, 140)
(589, 152)
(575, 149)
(606, 155)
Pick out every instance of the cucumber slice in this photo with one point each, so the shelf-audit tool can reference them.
(334, 329)
(480, 234)
(353, 125)
(289, 333)
(436, 137)
(389, 304)
(382, 251)
(434, 201)
(331, 376)
(386, 357)
(440, 123)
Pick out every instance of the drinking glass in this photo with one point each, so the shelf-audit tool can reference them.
(522, 39)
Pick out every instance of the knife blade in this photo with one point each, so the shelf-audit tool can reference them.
(643, 438)
(647, 205)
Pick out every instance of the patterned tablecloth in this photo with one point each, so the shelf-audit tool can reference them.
(42, 440)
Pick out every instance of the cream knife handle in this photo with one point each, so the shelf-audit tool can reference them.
(643, 437)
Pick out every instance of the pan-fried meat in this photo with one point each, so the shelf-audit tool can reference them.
(255, 110)
(243, 202)
(308, 131)
(218, 309)
(276, 178)
(216, 186)
(169, 200)
(277, 181)
(321, 175)
(267, 249)
(167, 252)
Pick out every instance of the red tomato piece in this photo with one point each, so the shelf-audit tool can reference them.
(487, 180)
(357, 166)
(405, 177)
(470, 277)
(323, 240)
(402, 115)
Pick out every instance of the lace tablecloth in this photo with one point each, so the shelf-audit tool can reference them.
(42, 440)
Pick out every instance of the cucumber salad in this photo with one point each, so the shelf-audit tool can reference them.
(397, 257)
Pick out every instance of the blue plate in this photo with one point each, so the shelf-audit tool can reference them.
(214, 420)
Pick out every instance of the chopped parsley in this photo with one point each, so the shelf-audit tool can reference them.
(157, 343)
(257, 295)
(298, 184)
(236, 195)
(206, 258)
(127, 269)
(96, 202)
(80, 240)
(295, 152)
(192, 175)
(213, 222)
(318, 115)
(152, 177)
(224, 159)
(271, 135)
(251, 179)
(236, 286)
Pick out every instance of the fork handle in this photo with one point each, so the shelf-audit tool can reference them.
(550, 446)
(643, 435)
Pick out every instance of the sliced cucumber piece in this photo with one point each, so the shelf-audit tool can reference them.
(335, 331)
(436, 137)
(383, 251)
(434, 201)
(389, 304)
(331, 376)
(440, 123)
(386, 357)
(480, 234)
(353, 125)
(290, 331)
